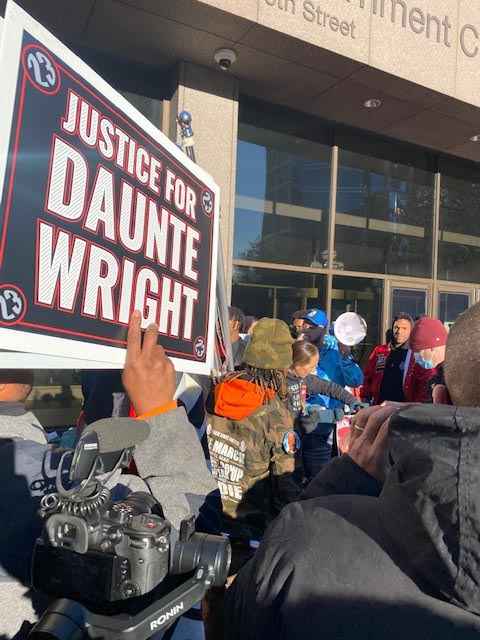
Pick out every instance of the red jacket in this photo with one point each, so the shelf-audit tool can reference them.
(413, 380)
(415, 384)
(373, 373)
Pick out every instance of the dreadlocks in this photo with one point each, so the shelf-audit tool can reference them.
(275, 379)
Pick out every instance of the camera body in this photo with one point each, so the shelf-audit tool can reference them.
(97, 550)
(117, 551)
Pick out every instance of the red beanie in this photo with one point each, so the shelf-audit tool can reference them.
(428, 333)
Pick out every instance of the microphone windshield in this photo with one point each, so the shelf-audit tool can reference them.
(115, 434)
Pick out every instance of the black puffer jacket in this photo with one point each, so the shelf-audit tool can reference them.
(402, 565)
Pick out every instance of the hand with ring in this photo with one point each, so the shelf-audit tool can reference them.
(368, 438)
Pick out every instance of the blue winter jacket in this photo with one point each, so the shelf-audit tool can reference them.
(337, 368)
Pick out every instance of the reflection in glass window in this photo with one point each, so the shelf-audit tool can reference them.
(411, 301)
(276, 294)
(459, 243)
(363, 296)
(384, 216)
(451, 305)
(149, 107)
(283, 187)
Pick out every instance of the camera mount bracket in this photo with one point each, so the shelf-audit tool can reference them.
(69, 619)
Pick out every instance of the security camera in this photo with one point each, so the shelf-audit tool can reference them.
(225, 58)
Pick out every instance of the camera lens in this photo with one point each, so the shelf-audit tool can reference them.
(202, 550)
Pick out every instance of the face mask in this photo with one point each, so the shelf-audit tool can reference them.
(425, 364)
(315, 335)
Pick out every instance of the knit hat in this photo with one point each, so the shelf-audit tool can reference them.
(270, 346)
(427, 333)
(316, 317)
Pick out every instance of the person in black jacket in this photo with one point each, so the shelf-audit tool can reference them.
(385, 543)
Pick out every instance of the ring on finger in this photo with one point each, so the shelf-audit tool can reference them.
(355, 426)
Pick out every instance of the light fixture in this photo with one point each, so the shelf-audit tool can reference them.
(475, 138)
(372, 103)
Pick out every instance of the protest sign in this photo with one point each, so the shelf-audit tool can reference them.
(100, 214)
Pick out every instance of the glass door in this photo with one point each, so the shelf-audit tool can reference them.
(403, 298)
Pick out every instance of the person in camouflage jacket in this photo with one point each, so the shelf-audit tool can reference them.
(252, 442)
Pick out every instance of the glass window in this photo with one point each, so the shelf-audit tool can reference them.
(384, 217)
(459, 243)
(56, 398)
(451, 305)
(276, 294)
(282, 201)
(363, 296)
(149, 107)
(411, 301)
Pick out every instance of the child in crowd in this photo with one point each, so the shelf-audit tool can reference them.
(302, 383)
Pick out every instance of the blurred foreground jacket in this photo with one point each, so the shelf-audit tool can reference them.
(405, 564)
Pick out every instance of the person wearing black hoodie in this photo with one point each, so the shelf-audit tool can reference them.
(384, 544)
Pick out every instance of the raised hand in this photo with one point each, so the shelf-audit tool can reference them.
(149, 375)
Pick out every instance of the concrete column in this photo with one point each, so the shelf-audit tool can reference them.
(212, 98)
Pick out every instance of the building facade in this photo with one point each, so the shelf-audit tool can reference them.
(345, 137)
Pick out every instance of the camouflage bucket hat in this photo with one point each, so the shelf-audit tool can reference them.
(270, 346)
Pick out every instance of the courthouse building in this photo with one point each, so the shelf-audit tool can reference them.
(344, 134)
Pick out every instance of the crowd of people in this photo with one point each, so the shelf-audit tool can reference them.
(380, 540)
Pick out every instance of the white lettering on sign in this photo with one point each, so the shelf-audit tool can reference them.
(66, 262)
(95, 130)
(60, 264)
(67, 182)
(102, 276)
(118, 217)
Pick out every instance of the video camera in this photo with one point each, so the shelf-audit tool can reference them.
(117, 564)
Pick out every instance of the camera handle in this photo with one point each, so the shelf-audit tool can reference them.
(70, 620)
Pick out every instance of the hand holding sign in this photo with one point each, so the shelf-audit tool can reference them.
(148, 376)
